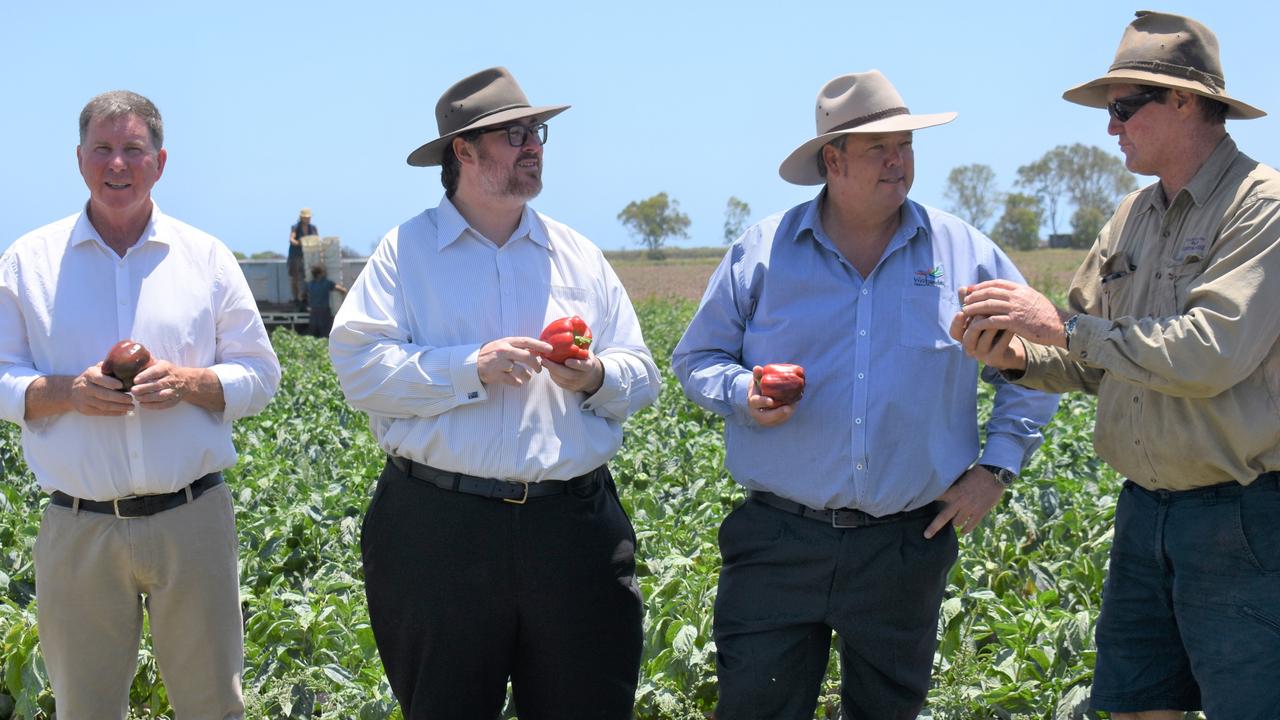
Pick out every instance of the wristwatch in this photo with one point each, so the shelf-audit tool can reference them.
(1069, 328)
(1004, 476)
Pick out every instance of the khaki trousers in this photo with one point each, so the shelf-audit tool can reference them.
(94, 575)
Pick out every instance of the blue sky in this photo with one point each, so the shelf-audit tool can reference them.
(272, 106)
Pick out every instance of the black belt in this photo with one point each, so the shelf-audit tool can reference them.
(843, 517)
(140, 505)
(512, 491)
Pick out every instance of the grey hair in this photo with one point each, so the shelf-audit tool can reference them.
(119, 103)
(838, 144)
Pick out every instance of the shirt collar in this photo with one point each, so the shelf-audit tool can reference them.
(1206, 179)
(84, 231)
(912, 225)
(450, 226)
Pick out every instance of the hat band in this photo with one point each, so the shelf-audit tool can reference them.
(1214, 82)
(495, 111)
(863, 120)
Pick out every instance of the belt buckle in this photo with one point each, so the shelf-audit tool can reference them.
(115, 505)
(523, 499)
(835, 523)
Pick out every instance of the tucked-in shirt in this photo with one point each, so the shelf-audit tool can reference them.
(66, 298)
(889, 415)
(1179, 334)
(406, 341)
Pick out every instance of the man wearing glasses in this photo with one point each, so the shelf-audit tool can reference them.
(1173, 324)
(495, 549)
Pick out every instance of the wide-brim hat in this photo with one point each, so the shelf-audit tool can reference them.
(488, 98)
(856, 103)
(1170, 51)
(305, 212)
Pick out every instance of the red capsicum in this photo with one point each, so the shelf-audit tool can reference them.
(569, 337)
(783, 382)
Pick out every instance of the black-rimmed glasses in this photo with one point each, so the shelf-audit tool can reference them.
(1123, 108)
(518, 135)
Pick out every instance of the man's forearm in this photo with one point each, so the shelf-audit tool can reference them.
(48, 396)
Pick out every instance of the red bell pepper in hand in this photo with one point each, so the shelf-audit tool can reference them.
(783, 382)
(569, 337)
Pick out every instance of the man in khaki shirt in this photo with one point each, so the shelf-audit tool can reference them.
(1173, 323)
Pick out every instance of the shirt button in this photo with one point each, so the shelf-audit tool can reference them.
(861, 376)
(1159, 275)
(1135, 399)
(862, 332)
(1166, 233)
(865, 291)
(857, 421)
(1137, 442)
(859, 466)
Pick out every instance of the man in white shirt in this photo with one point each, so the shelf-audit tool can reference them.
(139, 515)
(495, 548)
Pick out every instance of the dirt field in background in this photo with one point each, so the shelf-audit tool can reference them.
(1048, 270)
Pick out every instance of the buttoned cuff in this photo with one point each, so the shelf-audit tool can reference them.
(1003, 451)
(464, 373)
(1086, 342)
(741, 392)
(13, 393)
(613, 387)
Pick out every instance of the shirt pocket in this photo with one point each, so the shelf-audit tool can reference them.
(1180, 277)
(926, 317)
(568, 300)
(1116, 281)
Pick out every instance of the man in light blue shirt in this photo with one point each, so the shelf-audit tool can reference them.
(851, 484)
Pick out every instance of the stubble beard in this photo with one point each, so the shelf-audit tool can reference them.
(511, 181)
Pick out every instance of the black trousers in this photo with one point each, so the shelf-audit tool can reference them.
(466, 593)
(788, 581)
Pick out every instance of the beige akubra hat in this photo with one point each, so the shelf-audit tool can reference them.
(856, 103)
(1170, 51)
(488, 98)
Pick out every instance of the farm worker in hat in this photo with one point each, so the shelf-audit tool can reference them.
(495, 549)
(1172, 322)
(856, 491)
(139, 517)
(297, 274)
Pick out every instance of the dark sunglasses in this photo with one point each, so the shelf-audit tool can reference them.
(1124, 108)
(518, 135)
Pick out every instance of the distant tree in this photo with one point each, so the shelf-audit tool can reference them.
(348, 252)
(973, 194)
(1086, 223)
(735, 219)
(1095, 178)
(1019, 226)
(239, 255)
(266, 255)
(654, 220)
(1046, 179)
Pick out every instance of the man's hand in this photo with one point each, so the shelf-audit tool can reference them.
(92, 393)
(1006, 305)
(163, 385)
(967, 501)
(766, 411)
(576, 374)
(990, 347)
(511, 361)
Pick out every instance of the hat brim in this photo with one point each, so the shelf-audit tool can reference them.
(800, 168)
(433, 152)
(1094, 93)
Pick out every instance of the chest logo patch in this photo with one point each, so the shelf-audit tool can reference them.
(929, 278)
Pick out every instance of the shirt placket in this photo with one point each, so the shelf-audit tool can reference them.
(863, 313)
(508, 303)
(132, 421)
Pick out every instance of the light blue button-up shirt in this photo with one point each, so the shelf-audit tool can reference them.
(889, 416)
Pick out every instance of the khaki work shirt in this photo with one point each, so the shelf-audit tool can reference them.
(1179, 332)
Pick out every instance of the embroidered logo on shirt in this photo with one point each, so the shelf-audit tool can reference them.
(929, 278)
(1192, 249)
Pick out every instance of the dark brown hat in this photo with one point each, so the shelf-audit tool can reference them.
(1170, 51)
(488, 98)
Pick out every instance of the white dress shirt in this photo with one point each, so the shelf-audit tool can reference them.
(406, 340)
(66, 298)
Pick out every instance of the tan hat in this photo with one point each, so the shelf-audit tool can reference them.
(855, 103)
(306, 213)
(488, 98)
(1166, 51)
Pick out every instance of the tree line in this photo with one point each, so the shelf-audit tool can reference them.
(1084, 177)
